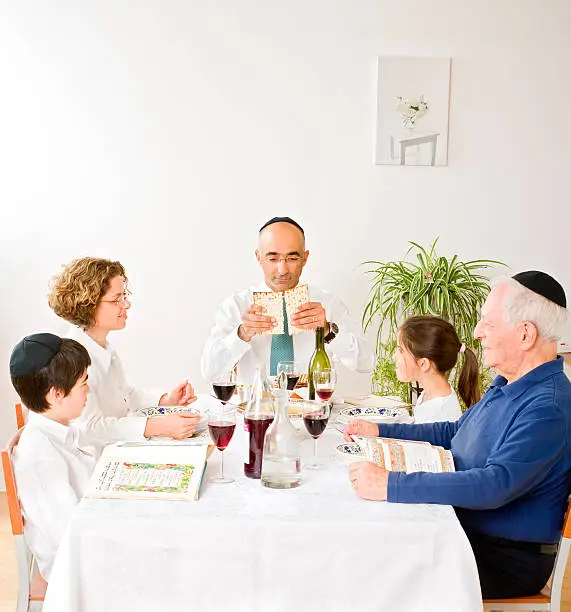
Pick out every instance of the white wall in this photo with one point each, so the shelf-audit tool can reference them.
(164, 133)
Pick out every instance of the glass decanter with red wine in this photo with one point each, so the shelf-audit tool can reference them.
(258, 417)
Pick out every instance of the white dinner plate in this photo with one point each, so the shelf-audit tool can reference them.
(375, 415)
(349, 452)
(155, 411)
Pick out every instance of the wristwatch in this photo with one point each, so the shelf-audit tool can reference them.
(333, 331)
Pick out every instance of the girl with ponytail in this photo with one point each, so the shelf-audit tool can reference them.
(427, 349)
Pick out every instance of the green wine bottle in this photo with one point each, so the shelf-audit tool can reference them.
(319, 360)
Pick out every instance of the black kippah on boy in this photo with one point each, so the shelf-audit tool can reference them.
(33, 353)
(544, 285)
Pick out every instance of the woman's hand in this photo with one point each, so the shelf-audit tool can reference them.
(359, 427)
(178, 425)
(182, 395)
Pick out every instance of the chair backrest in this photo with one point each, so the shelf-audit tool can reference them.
(14, 507)
(21, 415)
(566, 531)
(561, 560)
(549, 598)
(31, 585)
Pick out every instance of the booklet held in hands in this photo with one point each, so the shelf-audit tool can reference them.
(406, 455)
(149, 472)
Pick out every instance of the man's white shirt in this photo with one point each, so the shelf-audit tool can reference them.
(52, 466)
(224, 348)
(109, 414)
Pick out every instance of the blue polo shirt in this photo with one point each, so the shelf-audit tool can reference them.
(512, 452)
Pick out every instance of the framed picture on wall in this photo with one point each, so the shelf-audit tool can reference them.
(413, 100)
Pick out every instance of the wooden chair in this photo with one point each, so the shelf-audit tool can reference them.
(21, 415)
(31, 586)
(552, 601)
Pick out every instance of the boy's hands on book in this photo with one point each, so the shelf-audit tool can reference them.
(359, 427)
(369, 480)
(177, 425)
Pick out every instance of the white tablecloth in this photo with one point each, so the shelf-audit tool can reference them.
(245, 547)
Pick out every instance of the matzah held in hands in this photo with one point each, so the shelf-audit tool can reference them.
(294, 298)
(272, 302)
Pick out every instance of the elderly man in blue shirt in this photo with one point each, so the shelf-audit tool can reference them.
(512, 450)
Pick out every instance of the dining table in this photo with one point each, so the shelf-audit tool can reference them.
(244, 547)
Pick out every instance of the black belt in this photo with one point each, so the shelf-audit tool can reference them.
(533, 547)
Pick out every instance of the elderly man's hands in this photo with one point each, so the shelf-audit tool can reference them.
(359, 427)
(369, 480)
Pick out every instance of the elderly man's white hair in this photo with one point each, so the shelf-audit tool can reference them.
(522, 304)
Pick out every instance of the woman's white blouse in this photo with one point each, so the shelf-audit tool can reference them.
(109, 414)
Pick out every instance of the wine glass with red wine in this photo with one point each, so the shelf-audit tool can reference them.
(221, 425)
(315, 417)
(292, 371)
(324, 382)
(224, 386)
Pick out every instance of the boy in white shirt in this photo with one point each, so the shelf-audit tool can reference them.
(52, 470)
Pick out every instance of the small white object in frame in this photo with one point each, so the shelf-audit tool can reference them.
(413, 99)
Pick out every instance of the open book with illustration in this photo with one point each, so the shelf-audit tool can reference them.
(406, 455)
(149, 471)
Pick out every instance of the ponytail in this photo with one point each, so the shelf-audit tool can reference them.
(469, 379)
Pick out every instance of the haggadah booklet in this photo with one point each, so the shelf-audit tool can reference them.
(406, 455)
(149, 471)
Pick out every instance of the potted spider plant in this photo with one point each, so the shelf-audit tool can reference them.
(423, 283)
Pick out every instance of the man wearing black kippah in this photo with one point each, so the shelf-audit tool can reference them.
(238, 337)
(512, 450)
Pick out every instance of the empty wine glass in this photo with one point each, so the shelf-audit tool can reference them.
(221, 425)
(315, 417)
(224, 385)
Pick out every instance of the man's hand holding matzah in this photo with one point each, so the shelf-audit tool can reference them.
(255, 321)
(265, 316)
(310, 316)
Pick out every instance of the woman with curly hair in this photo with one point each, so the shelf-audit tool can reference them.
(92, 294)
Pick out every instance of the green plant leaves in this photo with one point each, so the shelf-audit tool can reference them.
(430, 284)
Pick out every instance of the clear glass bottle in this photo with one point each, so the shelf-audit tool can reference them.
(319, 360)
(281, 464)
(258, 417)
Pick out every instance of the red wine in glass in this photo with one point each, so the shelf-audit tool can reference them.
(324, 394)
(292, 381)
(315, 424)
(221, 433)
(257, 430)
(223, 391)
